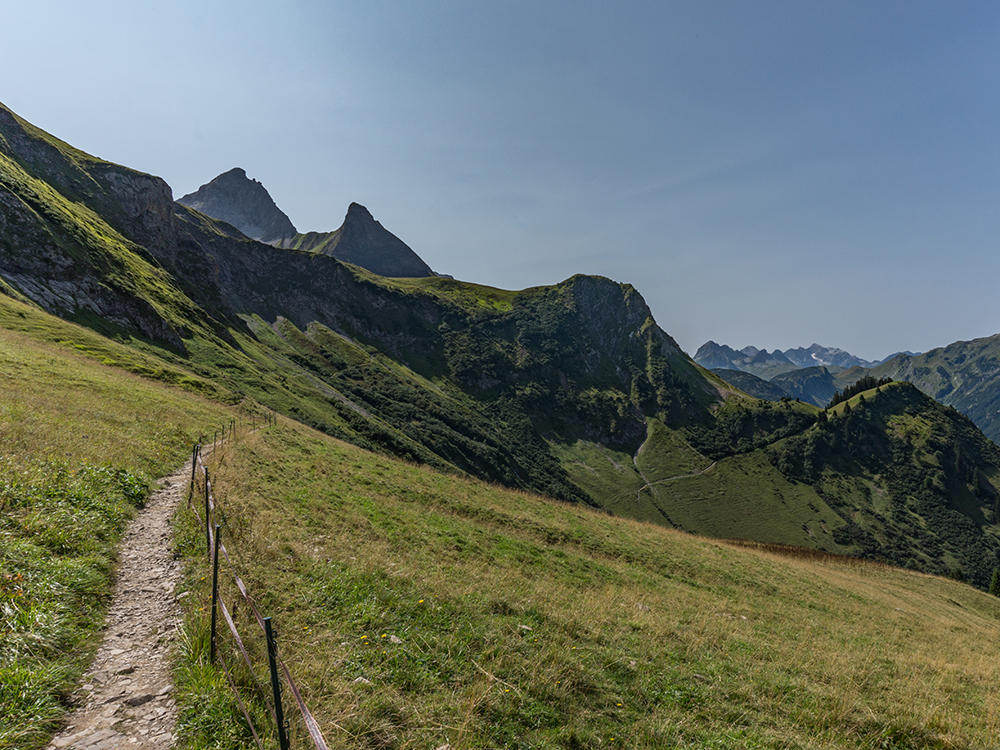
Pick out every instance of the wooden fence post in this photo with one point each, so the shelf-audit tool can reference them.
(194, 467)
(272, 660)
(208, 527)
(215, 594)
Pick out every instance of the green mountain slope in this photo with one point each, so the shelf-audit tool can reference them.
(476, 615)
(572, 390)
(908, 475)
(752, 384)
(965, 374)
(483, 618)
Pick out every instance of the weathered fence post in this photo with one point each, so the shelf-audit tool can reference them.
(215, 593)
(208, 528)
(194, 467)
(272, 660)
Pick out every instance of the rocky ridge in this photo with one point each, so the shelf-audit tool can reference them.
(767, 365)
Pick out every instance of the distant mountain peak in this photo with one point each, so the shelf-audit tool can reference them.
(236, 199)
(825, 356)
(359, 213)
(759, 362)
(363, 241)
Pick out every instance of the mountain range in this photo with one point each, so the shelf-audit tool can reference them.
(234, 198)
(964, 374)
(571, 390)
(766, 365)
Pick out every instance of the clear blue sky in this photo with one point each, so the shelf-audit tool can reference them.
(766, 173)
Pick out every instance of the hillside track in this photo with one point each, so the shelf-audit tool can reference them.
(126, 700)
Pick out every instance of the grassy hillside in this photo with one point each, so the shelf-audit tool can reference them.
(420, 609)
(81, 441)
(571, 390)
(914, 480)
(965, 374)
(522, 621)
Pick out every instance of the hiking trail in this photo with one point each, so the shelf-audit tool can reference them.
(125, 699)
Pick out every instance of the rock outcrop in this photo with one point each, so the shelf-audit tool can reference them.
(234, 198)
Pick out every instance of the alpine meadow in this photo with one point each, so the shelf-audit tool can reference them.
(480, 518)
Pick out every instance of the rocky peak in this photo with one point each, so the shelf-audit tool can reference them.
(713, 356)
(236, 199)
(363, 241)
(825, 356)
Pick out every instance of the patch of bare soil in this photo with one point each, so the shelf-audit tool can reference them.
(126, 700)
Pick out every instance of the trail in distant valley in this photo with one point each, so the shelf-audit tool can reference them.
(649, 485)
(126, 700)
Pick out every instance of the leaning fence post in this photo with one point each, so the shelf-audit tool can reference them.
(272, 660)
(208, 528)
(194, 467)
(215, 593)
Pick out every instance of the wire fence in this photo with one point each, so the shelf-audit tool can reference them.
(201, 484)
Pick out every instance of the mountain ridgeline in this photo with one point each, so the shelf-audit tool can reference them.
(571, 390)
(234, 198)
(364, 242)
(813, 375)
(964, 374)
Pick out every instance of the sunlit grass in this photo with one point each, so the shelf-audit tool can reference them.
(81, 442)
(419, 609)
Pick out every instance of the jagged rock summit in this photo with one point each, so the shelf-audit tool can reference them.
(234, 198)
(363, 241)
(759, 362)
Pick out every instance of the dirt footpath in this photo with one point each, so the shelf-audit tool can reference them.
(126, 700)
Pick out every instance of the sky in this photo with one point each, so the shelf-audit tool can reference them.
(765, 173)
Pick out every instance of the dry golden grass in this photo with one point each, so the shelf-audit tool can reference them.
(60, 405)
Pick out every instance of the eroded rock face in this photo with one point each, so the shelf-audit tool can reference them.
(146, 203)
(234, 198)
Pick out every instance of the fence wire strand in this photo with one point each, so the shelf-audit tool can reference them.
(312, 727)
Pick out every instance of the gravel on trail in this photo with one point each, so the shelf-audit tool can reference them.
(126, 698)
